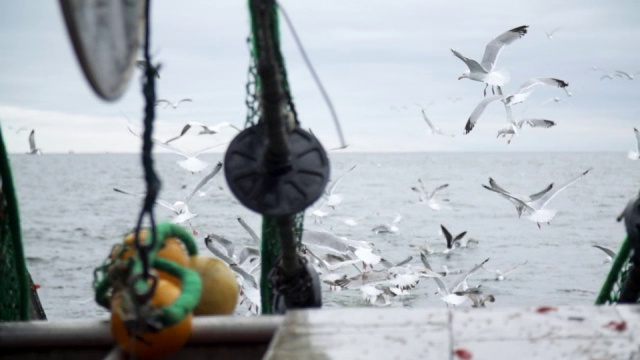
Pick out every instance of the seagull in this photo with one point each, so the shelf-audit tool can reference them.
(500, 274)
(172, 104)
(536, 208)
(480, 301)
(606, 76)
(484, 71)
(493, 186)
(540, 123)
(456, 295)
(33, 150)
(432, 128)
(333, 199)
(427, 197)
(610, 253)
(180, 207)
(551, 33)
(388, 228)
(206, 129)
(518, 97)
(233, 264)
(191, 163)
(451, 241)
(624, 74)
(635, 154)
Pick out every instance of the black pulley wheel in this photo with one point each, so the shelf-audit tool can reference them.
(274, 186)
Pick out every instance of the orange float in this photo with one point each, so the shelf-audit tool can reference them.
(151, 345)
(220, 289)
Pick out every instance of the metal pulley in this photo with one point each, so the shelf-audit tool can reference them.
(271, 185)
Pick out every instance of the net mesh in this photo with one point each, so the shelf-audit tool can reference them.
(612, 287)
(15, 293)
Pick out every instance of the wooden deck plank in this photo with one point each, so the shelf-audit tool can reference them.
(364, 333)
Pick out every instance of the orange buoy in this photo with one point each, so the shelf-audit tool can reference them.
(171, 249)
(151, 345)
(220, 289)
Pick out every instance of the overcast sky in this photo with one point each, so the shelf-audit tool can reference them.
(377, 59)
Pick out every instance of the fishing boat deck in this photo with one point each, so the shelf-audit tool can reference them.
(563, 332)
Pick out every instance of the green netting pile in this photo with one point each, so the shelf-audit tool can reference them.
(16, 290)
(612, 286)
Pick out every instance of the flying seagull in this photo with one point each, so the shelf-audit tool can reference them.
(516, 98)
(33, 150)
(205, 129)
(551, 33)
(540, 123)
(484, 71)
(493, 186)
(451, 240)
(432, 128)
(191, 163)
(426, 197)
(536, 209)
(172, 104)
(180, 207)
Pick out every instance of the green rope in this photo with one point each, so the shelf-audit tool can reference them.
(16, 286)
(613, 283)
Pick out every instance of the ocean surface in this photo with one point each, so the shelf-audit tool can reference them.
(71, 217)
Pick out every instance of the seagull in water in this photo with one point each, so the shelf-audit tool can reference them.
(427, 197)
(172, 104)
(432, 128)
(451, 241)
(388, 228)
(205, 129)
(33, 150)
(501, 274)
(512, 99)
(537, 208)
(484, 71)
(633, 154)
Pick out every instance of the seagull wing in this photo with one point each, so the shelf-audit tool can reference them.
(637, 137)
(473, 118)
(32, 140)
(163, 101)
(606, 250)
(516, 201)
(425, 262)
(232, 264)
(227, 244)
(136, 132)
(444, 290)
(544, 200)
(182, 132)
(464, 278)
(624, 73)
(533, 82)
(541, 193)
(337, 180)
(432, 127)
(184, 100)
(252, 233)
(325, 240)
(544, 123)
(495, 185)
(513, 268)
(494, 47)
(436, 190)
(473, 65)
(459, 236)
(204, 181)
(447, 236)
